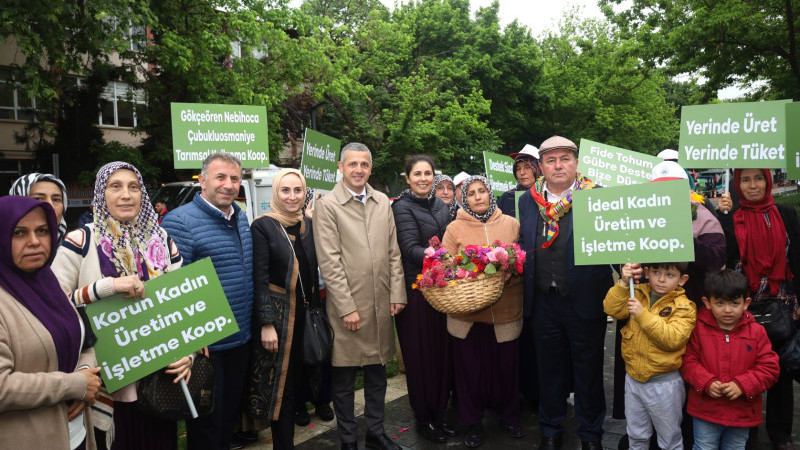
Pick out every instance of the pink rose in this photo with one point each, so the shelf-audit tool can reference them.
(429, 252)
(157, 254)
(105, 245)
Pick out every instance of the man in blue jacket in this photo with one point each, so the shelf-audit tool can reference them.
(213, 225)
(566, 300)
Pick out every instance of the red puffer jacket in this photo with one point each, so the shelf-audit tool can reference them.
(745, 356)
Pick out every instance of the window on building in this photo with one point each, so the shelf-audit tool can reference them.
(14, 104)
(118, 104)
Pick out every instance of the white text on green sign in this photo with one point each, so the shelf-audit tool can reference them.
(609, 166)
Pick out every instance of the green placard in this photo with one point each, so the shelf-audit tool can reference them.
(199, 130)
(320, 157)
(738, 135)
(646, 223)
(793, 141)
(609, 166)
(184, 311)
(500, 172)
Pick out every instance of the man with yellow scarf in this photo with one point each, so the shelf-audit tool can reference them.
(566, 300)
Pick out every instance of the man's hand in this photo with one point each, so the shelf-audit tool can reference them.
(77, 407)
(715, 389)
(731, 390)
(396, 308)
(351, 321)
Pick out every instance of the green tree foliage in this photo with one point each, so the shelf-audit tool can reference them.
(598, 91)
(729, 42)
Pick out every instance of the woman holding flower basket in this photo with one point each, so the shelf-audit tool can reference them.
(486, 346)
(422, 330)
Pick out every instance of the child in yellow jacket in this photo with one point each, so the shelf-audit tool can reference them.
(653, 343)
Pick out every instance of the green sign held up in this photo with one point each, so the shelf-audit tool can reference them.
(199, 130)
(184, 311)
(793, 141)
(737, 135)
(320, 158)
(609, 166)
(500, 172)
(646, 223)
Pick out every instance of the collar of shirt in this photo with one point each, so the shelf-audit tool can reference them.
(228, 215)
(552, 198)
(364, 193)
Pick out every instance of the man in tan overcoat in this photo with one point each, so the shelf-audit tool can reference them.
(356, 245)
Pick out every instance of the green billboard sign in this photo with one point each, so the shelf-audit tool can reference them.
(199, 130)
(319, 161)
(609, 166)
(737, 135)
(646, 223)
(793, 141)
(184, 311)
(500, 172)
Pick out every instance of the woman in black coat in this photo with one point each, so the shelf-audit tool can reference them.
(763, 242)
(422, 330)
(285, 281)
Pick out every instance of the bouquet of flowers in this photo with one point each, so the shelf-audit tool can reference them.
(469, 281)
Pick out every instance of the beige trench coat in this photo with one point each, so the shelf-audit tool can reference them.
(360, 262)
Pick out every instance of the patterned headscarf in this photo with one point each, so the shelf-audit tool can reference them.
(23, 187)
(453, 206)
(39, 291)
(484, 216)
(127, 248)
(278, 208)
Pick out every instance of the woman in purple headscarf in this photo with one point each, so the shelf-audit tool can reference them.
(116, 254)
(45, 378)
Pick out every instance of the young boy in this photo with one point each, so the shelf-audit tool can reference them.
(729, 362)
(654, 340)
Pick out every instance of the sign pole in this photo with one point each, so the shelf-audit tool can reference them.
(188, 396)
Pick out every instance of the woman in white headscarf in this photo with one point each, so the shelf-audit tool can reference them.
(47, 188)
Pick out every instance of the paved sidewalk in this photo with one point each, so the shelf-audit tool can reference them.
(400, 423)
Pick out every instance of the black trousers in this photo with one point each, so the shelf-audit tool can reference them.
(214, 431)
(344, 379)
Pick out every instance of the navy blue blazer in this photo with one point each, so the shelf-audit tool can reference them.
(588, 284)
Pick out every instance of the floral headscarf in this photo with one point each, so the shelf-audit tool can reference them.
(127, 248)
(484, 216)
(22, 186)
(453, 206)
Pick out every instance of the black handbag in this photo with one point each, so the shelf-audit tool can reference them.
(317, 337)
(317, 334)
(159, 397)
(773, 317)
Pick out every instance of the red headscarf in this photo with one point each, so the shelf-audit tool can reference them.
(761, 235)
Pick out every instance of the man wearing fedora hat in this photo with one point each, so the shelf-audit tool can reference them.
(566, 300)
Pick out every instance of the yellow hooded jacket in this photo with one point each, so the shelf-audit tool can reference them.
(654, 341)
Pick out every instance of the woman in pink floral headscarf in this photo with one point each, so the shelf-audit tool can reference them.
(115, 254)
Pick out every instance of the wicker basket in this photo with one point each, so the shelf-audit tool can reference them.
(466, 296)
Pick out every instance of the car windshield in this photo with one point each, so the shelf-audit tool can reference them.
(174, 195)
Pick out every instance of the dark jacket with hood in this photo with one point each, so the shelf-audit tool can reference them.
(417, 220)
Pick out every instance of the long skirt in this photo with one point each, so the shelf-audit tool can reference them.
(487, 376)
(425, 344)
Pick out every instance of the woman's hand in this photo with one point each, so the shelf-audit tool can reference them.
(129, 285)
(725, 203)
(269, 338)
(182, 369)
(92, 384)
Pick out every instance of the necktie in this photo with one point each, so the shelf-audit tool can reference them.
(359, 197)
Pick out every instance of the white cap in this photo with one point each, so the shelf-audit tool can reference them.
(668, 170)
(528, 150)
(458, 179)
(668, 154)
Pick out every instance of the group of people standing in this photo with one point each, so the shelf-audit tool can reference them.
(541, 341)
